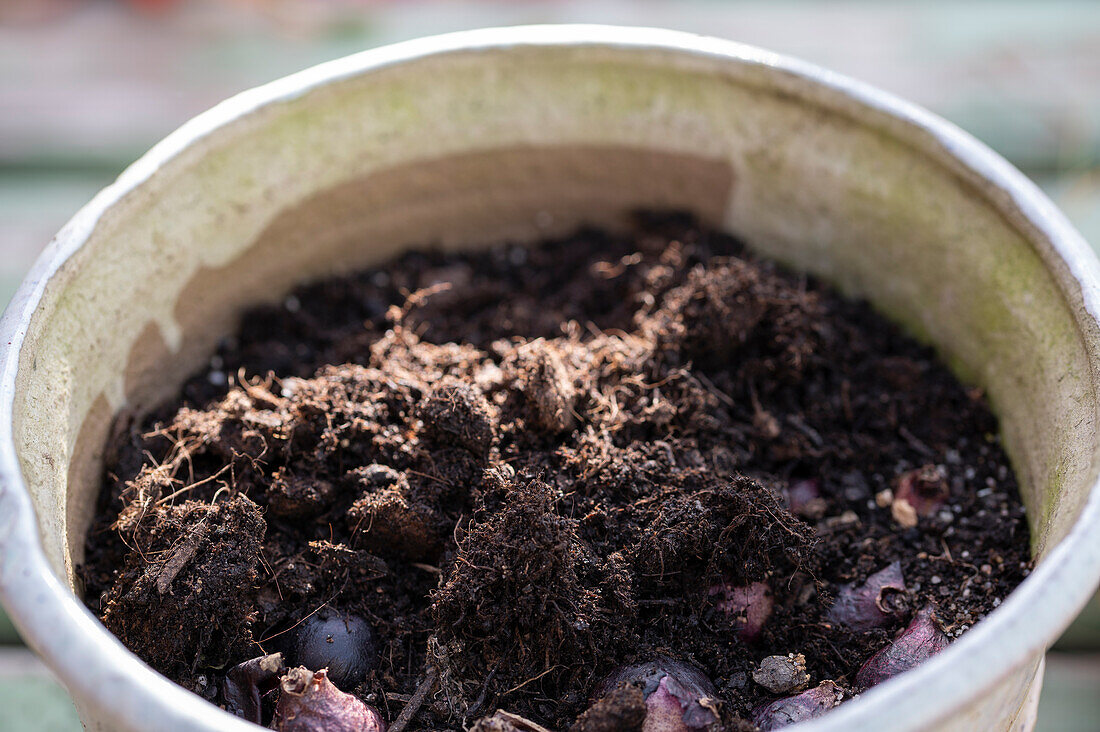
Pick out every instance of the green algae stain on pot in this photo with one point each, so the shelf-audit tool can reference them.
(1055, 484)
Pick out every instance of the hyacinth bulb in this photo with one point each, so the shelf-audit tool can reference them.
(748, 607)
(309, 702)
(925, 490)
(804, 498)
(798, 708)
(873, 603)
(341, 643)
(920, 640)
(248, 681)
(678, 697)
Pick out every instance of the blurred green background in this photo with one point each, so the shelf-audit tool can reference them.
(86, 86)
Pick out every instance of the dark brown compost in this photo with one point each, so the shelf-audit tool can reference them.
(514, 471)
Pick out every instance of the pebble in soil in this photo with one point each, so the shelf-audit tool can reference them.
(521, 469)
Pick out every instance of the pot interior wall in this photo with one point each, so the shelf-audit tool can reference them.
(472, 147)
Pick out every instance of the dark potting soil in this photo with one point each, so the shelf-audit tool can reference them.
(526, 467)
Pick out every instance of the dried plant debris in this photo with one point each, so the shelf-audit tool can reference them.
(609, 482)
(309, 702)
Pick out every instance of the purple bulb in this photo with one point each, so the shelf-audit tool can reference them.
(309, 702)
(920, 640)
(872, 604)
(804, 498)
(678, 697)
(922, 491)
(748, 607)
(789, 710)
(248, 681)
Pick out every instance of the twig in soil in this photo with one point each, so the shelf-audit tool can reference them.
(271, 570)
(779, 522)
(429, 477)
(518, 722)
(426, 567)
(415, 702)
(713, 389)
(259, 392)
(528, 681)
(301, 620)
(484, 690)
(396, 314)
(800, 425)
(180, 557)
(915, 443)
(403, 698)
(192, 486)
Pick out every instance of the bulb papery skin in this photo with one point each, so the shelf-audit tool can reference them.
(804, 498)
(920, 640)
(924, 489)
(872, 604)
(748, 607)
(246, 682)
(792, 709)
(309, 702)
(678, 697)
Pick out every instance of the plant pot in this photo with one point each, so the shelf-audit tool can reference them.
(520, 133)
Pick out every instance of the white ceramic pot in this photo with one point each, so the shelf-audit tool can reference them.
(519, 133)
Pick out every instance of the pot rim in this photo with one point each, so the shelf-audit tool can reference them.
(88, 658)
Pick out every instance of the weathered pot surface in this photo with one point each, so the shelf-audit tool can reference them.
(518, 133)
